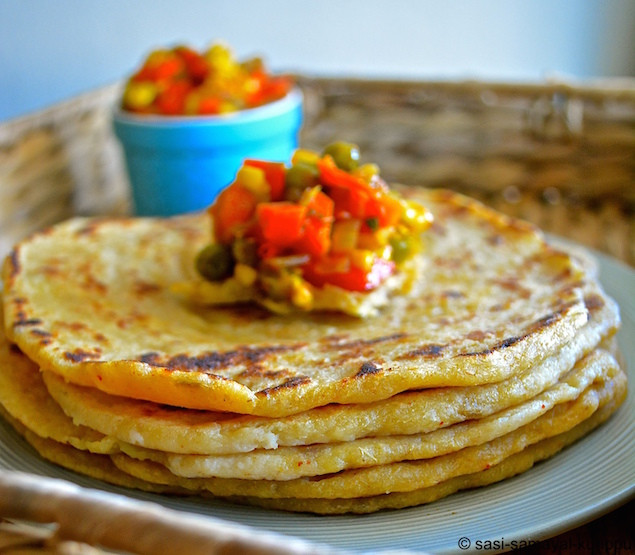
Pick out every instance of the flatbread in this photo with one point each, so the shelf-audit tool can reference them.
(102, 468)
(25, 398)
(401, 476)
(90, 300)
(288, 463)
(170, 429)
(511, 466)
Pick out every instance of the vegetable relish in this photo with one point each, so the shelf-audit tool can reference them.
(183, 81)
(323, 221)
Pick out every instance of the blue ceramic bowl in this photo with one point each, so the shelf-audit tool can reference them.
(180, 164)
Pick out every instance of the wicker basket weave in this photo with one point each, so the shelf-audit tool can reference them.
(558, 155)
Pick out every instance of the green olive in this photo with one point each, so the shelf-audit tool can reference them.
(215, 262)
(299, 178)
(345, 155)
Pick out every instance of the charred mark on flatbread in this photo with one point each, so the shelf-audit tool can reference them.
(544, 322)
(22, 320)
(214, 360)
(289, 384)
(368, 368)
(431, 350)
(14, 261)
(79, 355)
(593, 302)
(361, 343)
(496, 240)
(45, 336)
(40, 333)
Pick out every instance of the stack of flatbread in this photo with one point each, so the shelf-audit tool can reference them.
(503, 356)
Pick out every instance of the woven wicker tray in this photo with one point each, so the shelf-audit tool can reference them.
(558, 155)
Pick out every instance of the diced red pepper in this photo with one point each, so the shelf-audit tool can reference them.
(268, 250)
(168, 68)
(281, 223)
(385, 208)
(275, 173)
(235, 206)
(171, 101)
(195, 64)
(354, 196)
(320, 206)
(332, 176)
(316, 238)
(208, 105)
(355, 279)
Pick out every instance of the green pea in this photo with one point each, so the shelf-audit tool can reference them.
(345, 155)
(299, 178)
(215, 262)
(402, 248)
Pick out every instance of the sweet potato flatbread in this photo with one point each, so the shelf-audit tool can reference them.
(25, 398)
(288, 463)
(91, 301)
(400, 476)
(176, 430)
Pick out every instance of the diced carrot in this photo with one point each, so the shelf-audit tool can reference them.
(316, 237)
(281, 223)
(320, 206)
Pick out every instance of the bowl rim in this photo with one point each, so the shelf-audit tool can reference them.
(292, 100)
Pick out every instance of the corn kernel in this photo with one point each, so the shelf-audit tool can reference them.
(305, 156)
(254, 180)
(246, 275)
(367, 171)
(416, 216)
(363, 259)
(301, 295)
(139, 95)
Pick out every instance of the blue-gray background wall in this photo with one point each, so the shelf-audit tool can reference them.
(51, 50)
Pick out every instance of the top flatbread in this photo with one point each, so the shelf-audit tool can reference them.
(90, 300)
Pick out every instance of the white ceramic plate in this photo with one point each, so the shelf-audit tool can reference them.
(583, 482)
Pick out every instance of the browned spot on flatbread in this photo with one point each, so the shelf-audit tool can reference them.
(145, 288)
(452, 294)
(90, 282)
(431, 350)
(14, 263)
(43, 334)
(544, 322)
(495, 240)
(368, 368)
(289, 384)
(512, 284)
(257, 371)
(79, 355)
(593, 302)
(250, 357)
(361, 343)
(22, 320)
